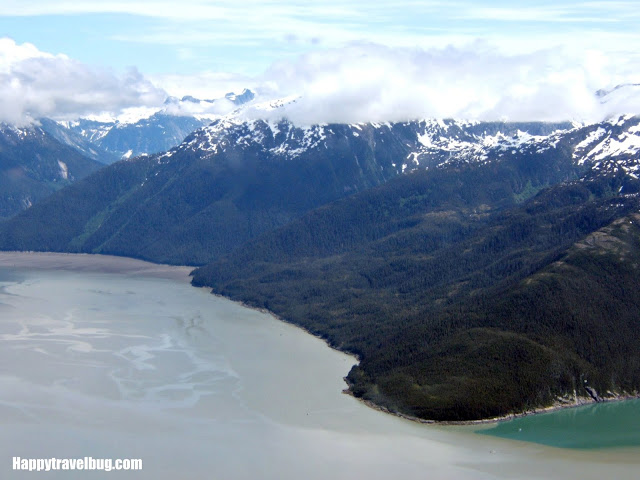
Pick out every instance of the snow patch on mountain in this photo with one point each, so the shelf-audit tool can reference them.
(624, 144)
(611, 146)
(16, 132)
(64, 171)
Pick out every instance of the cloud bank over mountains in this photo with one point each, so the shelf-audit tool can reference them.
(376, 83)
(358, 83)
(35, 84)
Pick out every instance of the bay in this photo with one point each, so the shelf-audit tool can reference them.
(116, 358)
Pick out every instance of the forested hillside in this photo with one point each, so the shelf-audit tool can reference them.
(462, 303)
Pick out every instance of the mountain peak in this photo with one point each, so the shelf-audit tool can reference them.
(244, 97)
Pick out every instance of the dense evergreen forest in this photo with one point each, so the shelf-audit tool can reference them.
(466, 293)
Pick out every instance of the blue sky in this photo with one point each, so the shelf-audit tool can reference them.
(205, 47)
(245, 37)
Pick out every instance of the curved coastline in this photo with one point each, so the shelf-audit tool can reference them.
(560, 404)
(579, 401)
(130, 266)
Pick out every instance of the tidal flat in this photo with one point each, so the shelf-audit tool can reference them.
(117, 358)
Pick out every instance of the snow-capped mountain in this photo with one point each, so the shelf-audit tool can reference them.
(140, 131)
(252, 122)
(156, 133)
(425, 143)
(74, 139)
(605, 146)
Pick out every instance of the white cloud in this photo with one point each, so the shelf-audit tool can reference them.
(375, 83)
(204, 85)
(221, 106)
(35, 84)
(359, 83)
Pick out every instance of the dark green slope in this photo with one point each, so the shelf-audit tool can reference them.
(60, 222)
(570, 325)
(33, 165)
(454, 298)
(436, 197)
(191, 206)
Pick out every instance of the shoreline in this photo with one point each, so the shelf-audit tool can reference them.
(88, 262)
(93, 262)
(284, 320)
(579, 401)
(583, 402)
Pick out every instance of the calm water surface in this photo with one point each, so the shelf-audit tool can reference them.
(604, 425)
(132, 365)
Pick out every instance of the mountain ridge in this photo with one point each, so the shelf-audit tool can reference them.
(234, 171)
(33, 164)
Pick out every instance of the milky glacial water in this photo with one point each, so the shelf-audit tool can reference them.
(113, 359)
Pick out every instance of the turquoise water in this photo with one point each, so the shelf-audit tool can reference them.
(603, 425)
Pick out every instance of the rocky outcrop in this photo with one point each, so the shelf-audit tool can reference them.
(593, 394)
